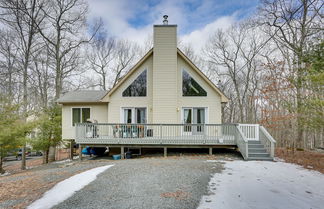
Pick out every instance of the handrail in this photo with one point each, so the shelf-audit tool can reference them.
(241, 133)
(270, 139)
(267, 134)
(244, 149)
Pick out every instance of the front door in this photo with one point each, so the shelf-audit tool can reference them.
(194, 116)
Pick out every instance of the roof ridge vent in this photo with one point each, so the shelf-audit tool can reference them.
(165, 21)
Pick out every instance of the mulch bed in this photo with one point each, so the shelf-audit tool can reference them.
(308, 159)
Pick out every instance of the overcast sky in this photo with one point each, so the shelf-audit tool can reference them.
(196, 19)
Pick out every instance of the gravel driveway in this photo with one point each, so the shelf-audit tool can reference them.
(177, 182)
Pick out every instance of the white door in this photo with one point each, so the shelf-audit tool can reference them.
(134, 115)
(194, 116)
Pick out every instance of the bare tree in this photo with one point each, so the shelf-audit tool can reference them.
(8, 64)
(294, 25)
(63, 33)
(23, 17)
(100, 58)
(234, 54)
(124, 56)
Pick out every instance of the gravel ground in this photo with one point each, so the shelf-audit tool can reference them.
(173, 182)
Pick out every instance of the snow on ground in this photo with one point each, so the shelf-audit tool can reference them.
(264, 185)
(67, 188)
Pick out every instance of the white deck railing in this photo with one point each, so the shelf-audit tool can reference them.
(267, 140)
(250, 131)
(105, 133)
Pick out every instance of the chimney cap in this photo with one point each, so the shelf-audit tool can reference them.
(165, 21)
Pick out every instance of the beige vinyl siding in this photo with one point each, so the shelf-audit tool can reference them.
(98, 112)
(212, 101)
(164, 74)
(117, 101)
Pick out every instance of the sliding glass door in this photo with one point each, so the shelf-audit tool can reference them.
(134, 115)
(194, 115)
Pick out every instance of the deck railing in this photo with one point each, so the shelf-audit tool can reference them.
(250, 131)
(118, 133)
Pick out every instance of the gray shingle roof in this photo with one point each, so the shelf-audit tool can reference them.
(82, 96)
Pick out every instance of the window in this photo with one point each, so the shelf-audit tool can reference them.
(190, 87)
(138, 87)
(80, 115)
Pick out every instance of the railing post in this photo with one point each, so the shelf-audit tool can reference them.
(247, 149)
(205, 138)
(271, 149)
(161, 133)
(257, 132)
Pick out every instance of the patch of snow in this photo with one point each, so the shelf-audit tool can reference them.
(62, 161)
(264, 185)
(277, 159)
(65, 189)
(5, 174)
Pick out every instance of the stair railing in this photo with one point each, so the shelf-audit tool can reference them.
(267, 140)
(242, 143)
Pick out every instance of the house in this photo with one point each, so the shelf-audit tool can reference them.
(163, 101)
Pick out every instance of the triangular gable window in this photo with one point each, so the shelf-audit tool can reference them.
(137, 88)
(190, 87)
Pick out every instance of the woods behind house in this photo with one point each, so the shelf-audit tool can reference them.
(270, 66)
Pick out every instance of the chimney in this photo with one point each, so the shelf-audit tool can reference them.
(165, 72)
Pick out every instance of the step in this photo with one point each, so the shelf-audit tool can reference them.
(253, 146)
(257, 150)
(259, 155)
(260, 158)
(254, 142)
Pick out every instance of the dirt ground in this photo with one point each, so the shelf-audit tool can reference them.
(308, 159)
(21, 188)
(15, 166)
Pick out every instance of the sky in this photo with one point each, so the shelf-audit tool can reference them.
(196, 19)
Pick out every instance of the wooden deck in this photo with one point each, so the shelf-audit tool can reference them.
(173, 135)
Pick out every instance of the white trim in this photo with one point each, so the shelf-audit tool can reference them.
(121, 115)
(71, 110)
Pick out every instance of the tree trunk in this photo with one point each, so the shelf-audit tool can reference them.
(2, 171)
(46, 156)
(51, 154)
(23, 158)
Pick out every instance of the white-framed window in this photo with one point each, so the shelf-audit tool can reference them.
(80, 115)
(134, 115)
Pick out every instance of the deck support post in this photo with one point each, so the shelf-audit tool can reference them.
(80, 152)
(71, 149)
(210, 151)
(165, 151)
(122, 152)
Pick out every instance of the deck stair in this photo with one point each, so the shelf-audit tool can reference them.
(257, 151)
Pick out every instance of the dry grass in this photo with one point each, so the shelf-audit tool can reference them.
(308, 159)
(16, 167)
(178, 195)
